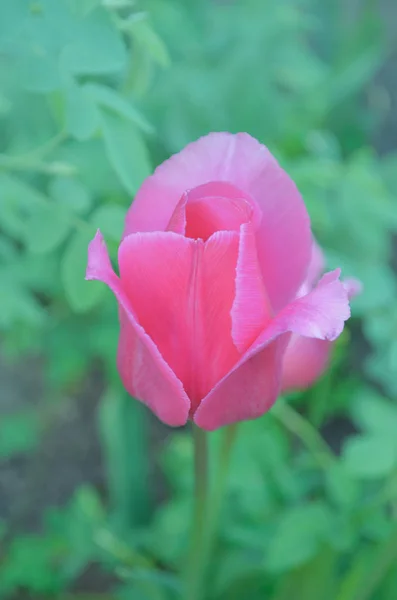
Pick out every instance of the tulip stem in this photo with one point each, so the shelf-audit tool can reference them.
(304, 430)
(207, 507)
(218, 492)
(195, 567)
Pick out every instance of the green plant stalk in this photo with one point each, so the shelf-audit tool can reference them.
(384, 560)
(196, 559)
(208, 504)
(305, 431)
(218, 490)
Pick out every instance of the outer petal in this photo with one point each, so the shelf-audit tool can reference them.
(304, 362)
(307, 358)
(316, 269)
(320, 314)
(353, 287)
(283, 237)
(182, 291)
(143, 370)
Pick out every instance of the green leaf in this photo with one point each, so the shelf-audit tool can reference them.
(352, 580)
(46, 229)
(110, 99)
(82, 8)
(157, 584)
(18, 200)
(77, 524)
(122, 427)
(82, 295)
(297, 536)
(38, 71)
(109, 218)
(370, 456)
(143, 34)
(126, 151)
(237, 574)
(97, 46)
(19, 433)
(341, 486)
(70, 193)
(383, 561)
(18, 305)
(29, 564)
(81, 114)
(375, 414)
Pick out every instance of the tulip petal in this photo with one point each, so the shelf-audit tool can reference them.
(143, 371)
(212, 207)
(182, 291)
(316, 269)
(320, 314)
(305, 360)
(251, 309)
(247, 392)
(283, 237)
(353, 287)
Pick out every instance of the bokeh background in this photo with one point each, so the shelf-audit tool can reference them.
(94, 493)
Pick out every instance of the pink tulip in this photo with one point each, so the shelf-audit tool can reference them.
(306, 358)
(216, 246)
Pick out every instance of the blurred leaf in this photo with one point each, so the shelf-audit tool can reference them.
(18, 200)
(83, 7)
(352, 580)
(382, 561)
(19, 433)
(158, 584)
(82, 295)
(81, 114)
(46, 229)
(126, 151)
(167, 537)
(97, 46)
(122, 427)
(93, 167)
(39, 72)
(143, 34)
(297, 536)
(370, 456)
(375, 414)
(70, 193)
(17, 305)
(29, 564)
(110, 99)
(77, 525)
(109, 218)
(341, 486)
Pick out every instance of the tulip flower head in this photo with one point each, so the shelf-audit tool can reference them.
(213, 285)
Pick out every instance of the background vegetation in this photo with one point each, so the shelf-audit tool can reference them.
(93, 95)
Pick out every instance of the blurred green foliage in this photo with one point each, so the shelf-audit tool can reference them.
(93, 95)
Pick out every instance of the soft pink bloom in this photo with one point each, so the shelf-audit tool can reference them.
(216, 246)
(306, 359)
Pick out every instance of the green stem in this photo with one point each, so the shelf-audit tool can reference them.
(305, 431)
(207, 508)
(381, 565)
(229, 436)
(16, 163)
(196, 562)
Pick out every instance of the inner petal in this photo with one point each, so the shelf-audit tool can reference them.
(182, 291)
(212, 207)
